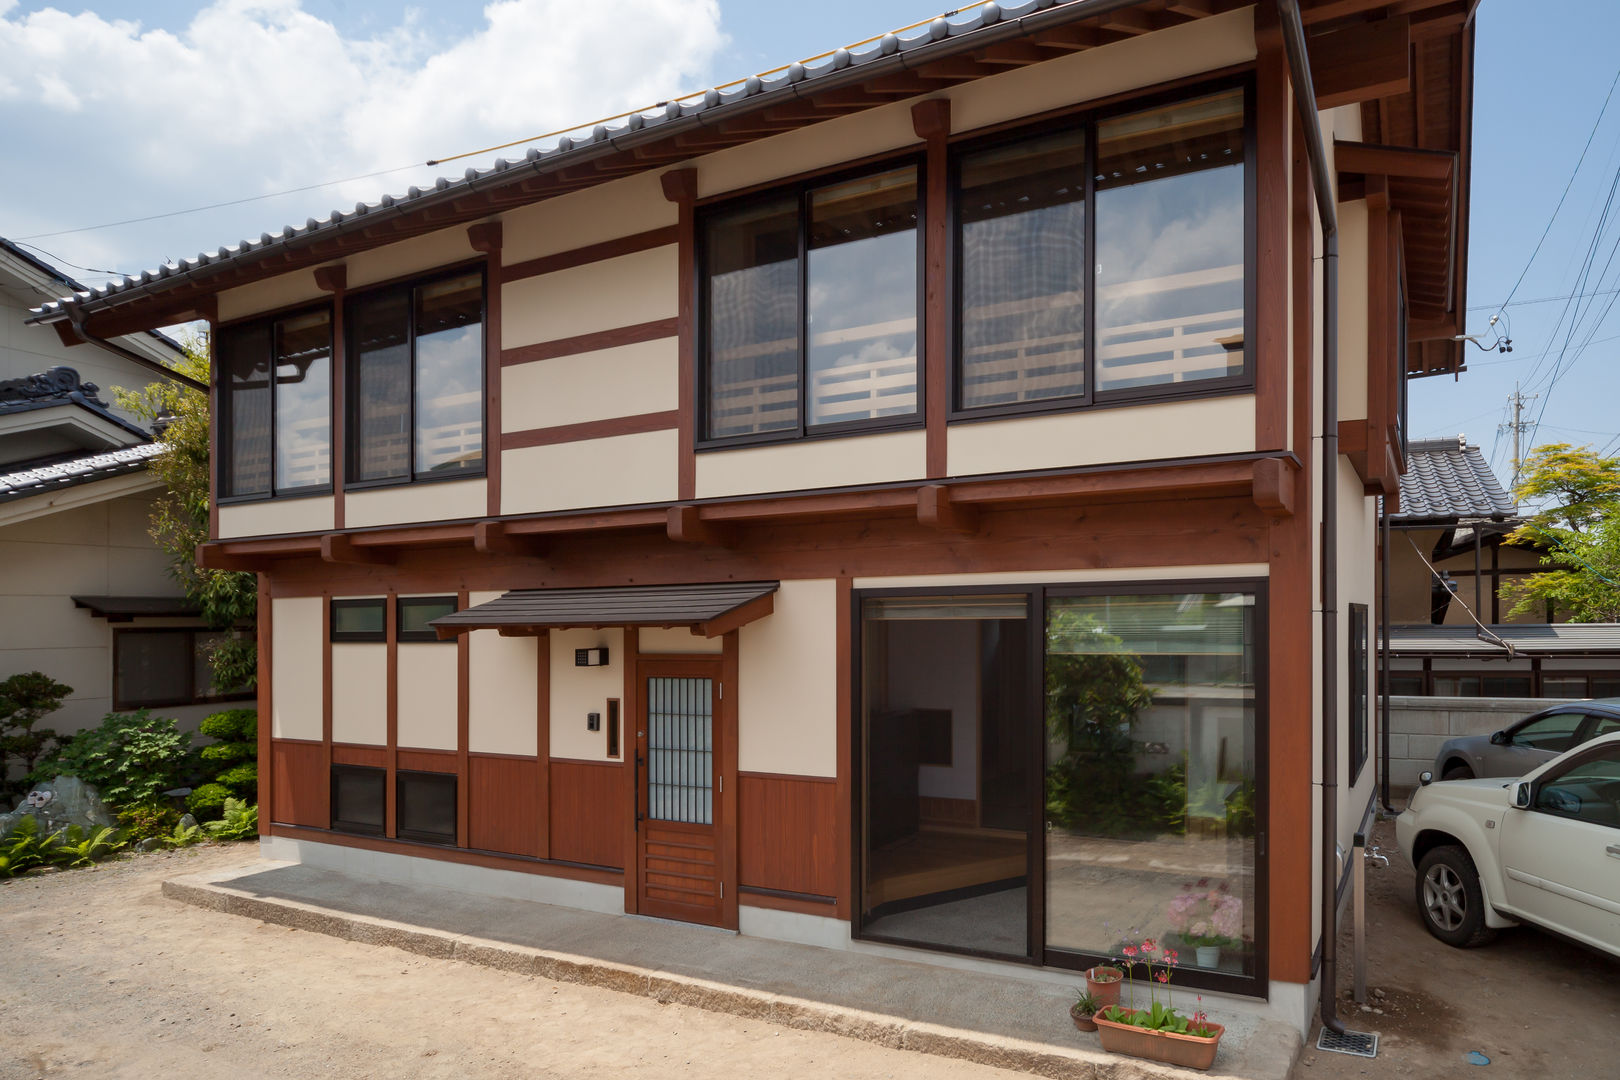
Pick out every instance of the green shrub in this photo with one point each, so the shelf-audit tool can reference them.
(233, 726)
(208, 802)
(241, 822)
(131, 758)
(243, 780)
(24, 848)
(145, 822)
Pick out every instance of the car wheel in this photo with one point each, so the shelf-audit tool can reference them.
(1449, 898)
(1458, 772)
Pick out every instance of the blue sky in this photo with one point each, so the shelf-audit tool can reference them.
(105, 121)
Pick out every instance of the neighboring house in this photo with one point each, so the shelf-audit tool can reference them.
(680, 520)
(1454, 513)
(85, 594)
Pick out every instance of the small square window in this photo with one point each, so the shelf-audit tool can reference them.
(358, 799)
(415, 613)
(359, 620)
(427, 807)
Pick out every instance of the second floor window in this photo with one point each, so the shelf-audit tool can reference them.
(275, 400)
(810, 304)
(416, 381)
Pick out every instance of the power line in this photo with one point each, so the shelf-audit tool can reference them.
(1541, 300)
(63, 262)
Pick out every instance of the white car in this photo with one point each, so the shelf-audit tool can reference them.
(1543, 849)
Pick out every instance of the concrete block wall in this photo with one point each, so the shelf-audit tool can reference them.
(1419, 725)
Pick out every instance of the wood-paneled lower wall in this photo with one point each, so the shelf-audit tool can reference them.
(300, 785)
(505, 811)
(588, 812)
(787, 833)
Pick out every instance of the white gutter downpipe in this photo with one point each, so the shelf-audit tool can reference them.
(1299, 71)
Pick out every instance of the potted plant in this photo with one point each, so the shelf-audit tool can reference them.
(1159, 1032)
(1208, 920)
(1084, 1009)
(1103, 983)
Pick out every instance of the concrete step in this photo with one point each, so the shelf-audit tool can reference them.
(1004, 1021)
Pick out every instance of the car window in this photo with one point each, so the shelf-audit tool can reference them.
(1555, 733)
(1587, 790)
(1603, 725)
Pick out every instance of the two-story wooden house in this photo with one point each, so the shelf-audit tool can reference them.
(879, 501)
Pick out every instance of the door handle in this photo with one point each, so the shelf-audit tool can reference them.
(639, 816)
(1614, 850)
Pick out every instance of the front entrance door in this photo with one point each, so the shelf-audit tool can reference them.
(677, 763)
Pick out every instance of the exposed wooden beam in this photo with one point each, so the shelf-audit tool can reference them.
(1070, 38)
(1361, 62)
(1129, 21)
(210, 557)
(937, 510)
(496, 538)
(1274, 487)
(1012, 54)
(757, 608)
(686, 526)
(341, 548)
(1402, 161)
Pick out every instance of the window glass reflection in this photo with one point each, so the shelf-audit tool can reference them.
(303, 357)
(380, 412)
(244, 360)
(1170, 244)
(752, 306)
(449, 375)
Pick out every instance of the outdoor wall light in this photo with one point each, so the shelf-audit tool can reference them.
(590, 657)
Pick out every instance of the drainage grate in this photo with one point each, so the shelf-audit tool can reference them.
(1358, 1043)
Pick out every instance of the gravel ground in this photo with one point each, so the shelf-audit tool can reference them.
(100, 976)
(1536, 1006)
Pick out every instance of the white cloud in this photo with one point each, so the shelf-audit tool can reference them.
(259, 95)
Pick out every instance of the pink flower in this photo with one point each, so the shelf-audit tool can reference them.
(1148, 946)
(1129, 950)
(1163, 976)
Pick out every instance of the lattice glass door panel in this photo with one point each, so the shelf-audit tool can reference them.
(680, 750)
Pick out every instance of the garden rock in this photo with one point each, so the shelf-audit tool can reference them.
(65, 801)
(187, 821)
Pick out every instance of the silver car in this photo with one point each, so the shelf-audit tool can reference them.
(1528, 744)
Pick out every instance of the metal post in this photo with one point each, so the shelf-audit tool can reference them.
(1358, 870)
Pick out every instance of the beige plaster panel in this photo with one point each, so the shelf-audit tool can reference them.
(501, 702)
(427, 695)
(673, 640)
(576, 691)
(359, 692)
(603, 295)
(440, 500)
(622, 470)
(270, 295)
(297, 635)
(626, 381)
(787, 697)
(421, 254)
(816, 463)
(863, 134)
(274, 516)
(1213, 572)
(1353, 300)
(1171, 429)
(605, 212)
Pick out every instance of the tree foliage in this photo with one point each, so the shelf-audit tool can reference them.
(1578, 531)
(226, 598)
(25, 699)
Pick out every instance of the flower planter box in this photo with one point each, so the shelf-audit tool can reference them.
(1192, 1051)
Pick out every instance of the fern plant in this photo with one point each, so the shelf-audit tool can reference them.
(241, 822)
(73, 847)
(23, 848)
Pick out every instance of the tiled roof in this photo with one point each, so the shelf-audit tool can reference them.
(891, 53)
(69, 472)
(1448, 479)
(624, 605)
(71, 284)
(1527, 639)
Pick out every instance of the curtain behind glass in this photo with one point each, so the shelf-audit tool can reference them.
(244, 361)
(751, 277)
(1170, 244)
(380, 412)
(1022, 217)
(1150, 775)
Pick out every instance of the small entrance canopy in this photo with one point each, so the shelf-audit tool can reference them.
(710, 610)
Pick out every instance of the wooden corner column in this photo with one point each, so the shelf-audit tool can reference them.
(931, 120)
(485, 238)
(335, 280)
(1268, 352)
(680, 188)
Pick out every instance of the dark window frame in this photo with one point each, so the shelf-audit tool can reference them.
(801, 189)
(1256, 985)
(121, 634)
(1088, 120)
(402, 603)
(1359, 687)
(405, 777)
(341, 636)
(222, 395)
(357, 828)
(351, 375)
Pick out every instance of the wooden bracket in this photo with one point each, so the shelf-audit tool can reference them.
(66, 334)
(757, 608)
(936, 510)
(332, 279)
(931, 118)
(496, 538)
(1274, 487)
(686, 526)
(340, 548)
(485, 237)
(210, 557)
(680, 185)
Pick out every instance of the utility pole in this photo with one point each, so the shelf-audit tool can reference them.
(1518, 425)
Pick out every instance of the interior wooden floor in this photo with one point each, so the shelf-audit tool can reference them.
(939, 860)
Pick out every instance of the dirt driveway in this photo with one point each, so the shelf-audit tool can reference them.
(1537, 1007)
(101, 976)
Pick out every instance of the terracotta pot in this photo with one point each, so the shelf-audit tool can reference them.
(1083, 1021)
(1106, 992)
(1192, 1051)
